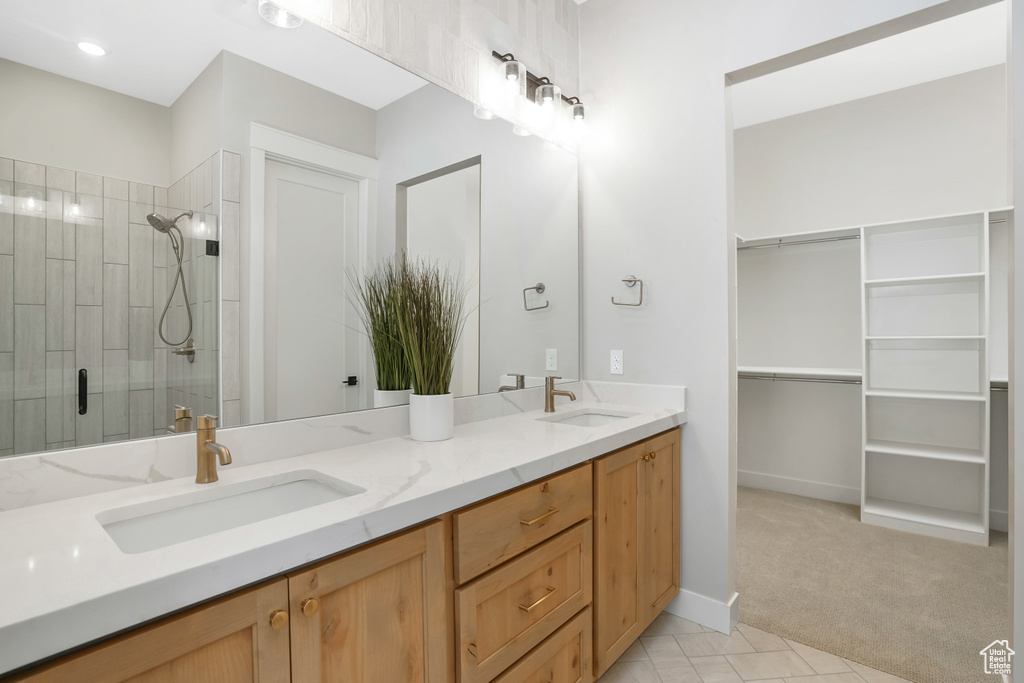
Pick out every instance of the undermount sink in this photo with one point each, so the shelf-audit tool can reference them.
(184, 517)
(587, 417)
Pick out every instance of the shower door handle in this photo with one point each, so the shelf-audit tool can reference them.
(83, 391)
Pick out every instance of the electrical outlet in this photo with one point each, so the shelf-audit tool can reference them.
(617, 362)
(551, 359)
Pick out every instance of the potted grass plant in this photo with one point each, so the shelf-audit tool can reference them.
(431, 318)
(376, 296)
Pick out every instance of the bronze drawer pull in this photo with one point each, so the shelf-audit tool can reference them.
(547, 514)
(528, 609)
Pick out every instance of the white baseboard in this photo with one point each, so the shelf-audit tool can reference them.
(997, 519)
(700, 609)
(800, 487)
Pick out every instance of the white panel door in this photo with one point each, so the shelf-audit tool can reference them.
(310, 345)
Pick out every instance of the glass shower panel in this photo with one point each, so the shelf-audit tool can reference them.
(84, 277)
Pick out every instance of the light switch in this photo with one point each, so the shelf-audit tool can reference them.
(551, 359)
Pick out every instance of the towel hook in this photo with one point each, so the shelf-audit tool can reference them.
(630, 281)
(539, 287)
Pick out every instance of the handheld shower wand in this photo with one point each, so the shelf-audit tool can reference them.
(170, 228)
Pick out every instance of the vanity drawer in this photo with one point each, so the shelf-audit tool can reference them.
(503, 615)
(565, 657)
(497, 530)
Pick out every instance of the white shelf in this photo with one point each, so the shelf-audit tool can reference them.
(926, 280)
(923, 514)
(809, 373)
(797, 237)
(929, 395)
(925, 451)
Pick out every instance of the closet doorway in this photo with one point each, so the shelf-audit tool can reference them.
(871, 197)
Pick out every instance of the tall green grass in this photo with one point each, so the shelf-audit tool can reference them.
(431, 318)
(376, 299)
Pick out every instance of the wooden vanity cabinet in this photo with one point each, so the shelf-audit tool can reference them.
(549, 583)
(378, 614)
(230, 640)
(636, 541)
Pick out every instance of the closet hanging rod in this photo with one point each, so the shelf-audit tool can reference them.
(816, 380)
(781, 243)
(993, 221)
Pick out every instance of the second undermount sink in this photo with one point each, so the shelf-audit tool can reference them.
(587, 417)
(166, 521)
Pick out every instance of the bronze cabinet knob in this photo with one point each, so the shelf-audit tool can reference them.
(310, 606)
(278, 619)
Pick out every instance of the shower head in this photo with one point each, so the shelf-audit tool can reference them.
(161, 224)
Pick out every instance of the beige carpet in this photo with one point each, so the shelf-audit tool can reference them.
(913, 606)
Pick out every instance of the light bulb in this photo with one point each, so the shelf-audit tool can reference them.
(30, 203)
(521, 132)
(485, 114)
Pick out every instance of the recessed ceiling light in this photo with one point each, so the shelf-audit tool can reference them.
(278, 16)
(92, 49)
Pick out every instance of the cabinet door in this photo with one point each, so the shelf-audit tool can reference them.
(229, 641)
(619, 604)
(379, 614)
(661, 519)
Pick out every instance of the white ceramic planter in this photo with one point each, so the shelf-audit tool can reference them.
(386, 399)
(431, 418)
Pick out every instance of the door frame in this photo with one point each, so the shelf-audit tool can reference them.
(276, 145)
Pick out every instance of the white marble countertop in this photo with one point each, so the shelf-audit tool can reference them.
(64, 582)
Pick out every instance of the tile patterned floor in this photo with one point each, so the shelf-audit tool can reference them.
(674, 650)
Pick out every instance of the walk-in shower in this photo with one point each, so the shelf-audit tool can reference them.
(170, 228)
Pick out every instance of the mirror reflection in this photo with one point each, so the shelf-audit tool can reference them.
(299, 157)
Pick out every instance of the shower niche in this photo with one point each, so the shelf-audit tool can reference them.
(81, 356)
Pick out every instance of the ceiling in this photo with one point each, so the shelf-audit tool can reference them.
(969, 41)
(156, 48)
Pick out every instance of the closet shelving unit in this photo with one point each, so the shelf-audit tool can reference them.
(925, 388)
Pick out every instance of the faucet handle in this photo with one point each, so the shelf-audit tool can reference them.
(207, 421)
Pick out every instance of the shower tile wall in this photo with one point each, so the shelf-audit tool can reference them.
(230, 360)
(83, 279)
(191, 384)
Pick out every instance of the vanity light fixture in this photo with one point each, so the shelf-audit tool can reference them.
(278, 16)
(538, 89)
(547, 93)
(578, 113)
(514, 71)
(91, 49)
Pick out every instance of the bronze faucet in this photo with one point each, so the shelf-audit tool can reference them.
(206, 447)
(520, 383)
(550, 392)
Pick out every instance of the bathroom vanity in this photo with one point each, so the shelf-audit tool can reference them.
(520, 546)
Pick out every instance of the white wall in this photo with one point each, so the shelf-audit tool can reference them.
(928, 150)
(197, 120)
(528, 224)
(656, 194)
(56, 121)
(799, 306)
